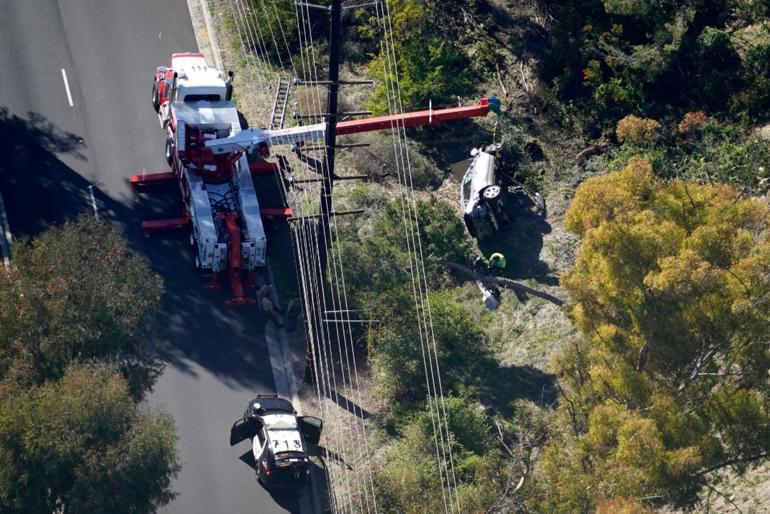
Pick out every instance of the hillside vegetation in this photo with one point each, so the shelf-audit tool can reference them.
(642, 124)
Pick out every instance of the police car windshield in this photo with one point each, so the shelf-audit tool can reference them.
(280, 421)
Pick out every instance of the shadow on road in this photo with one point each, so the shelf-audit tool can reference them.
(41, 190)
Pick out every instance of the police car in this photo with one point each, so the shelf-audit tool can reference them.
(279, 439)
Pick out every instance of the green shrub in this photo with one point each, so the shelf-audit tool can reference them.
(411, 482)
(461, 345)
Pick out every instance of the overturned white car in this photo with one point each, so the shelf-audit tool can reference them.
(484, 193)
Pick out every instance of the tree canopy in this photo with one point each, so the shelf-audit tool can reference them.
(648, 57)
(73, 367)
(671, 291)
(76, 292)
(82, 444)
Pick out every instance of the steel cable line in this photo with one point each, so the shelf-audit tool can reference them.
(334, 283)
(254, 45)
(255, 75)
(337, 265)
(409, 240)
(254, 23)
(309, 292)
(313, 260)
(340, 300)
(272, 34)
(400, 155)
(322, 381)
(419, 260)
(421, 269)
(337, 270)
(283, 34)
(251, 32)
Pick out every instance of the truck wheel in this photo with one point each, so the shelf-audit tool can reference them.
(169, 151)
(155, 96)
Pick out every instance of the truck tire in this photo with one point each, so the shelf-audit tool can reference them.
(169, 151)
(155, 96)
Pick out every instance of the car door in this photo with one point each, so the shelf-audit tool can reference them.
(244, 428)
(311, 428)
(259, 445)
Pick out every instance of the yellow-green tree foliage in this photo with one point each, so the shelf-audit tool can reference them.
(669, 384)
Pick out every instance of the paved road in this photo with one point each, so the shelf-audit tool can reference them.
(53, 151)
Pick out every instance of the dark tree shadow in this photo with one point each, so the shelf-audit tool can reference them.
(38, 188)
(506, 384)
(521, 240)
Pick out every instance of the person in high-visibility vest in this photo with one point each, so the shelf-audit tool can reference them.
(497, 261)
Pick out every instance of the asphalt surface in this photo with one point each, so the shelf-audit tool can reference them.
(108, 49)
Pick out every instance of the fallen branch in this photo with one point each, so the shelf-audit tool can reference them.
(500, 81)
(489, 280)
(592, 150)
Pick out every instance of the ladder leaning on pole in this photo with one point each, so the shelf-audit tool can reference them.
(278, 117)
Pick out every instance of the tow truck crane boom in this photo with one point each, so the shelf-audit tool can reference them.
(248, 140)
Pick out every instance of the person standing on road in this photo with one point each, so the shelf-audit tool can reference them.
(267, 306)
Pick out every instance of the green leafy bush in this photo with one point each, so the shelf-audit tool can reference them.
(411, 481)
(81, 444)
(461, 345)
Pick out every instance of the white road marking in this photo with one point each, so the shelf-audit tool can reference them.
(93, 200)
(67, 87)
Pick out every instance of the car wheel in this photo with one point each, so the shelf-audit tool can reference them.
(169, 151)
(491, 192)
(155, 96)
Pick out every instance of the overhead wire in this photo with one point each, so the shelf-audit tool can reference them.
(334, 303)
(241, 30)
(244, 27)
(327, 376)
(423, 304)
(308, 247)
(311, 263)
(345, 344)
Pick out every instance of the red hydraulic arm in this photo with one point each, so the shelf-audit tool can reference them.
(417, 118)
(234, 262)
